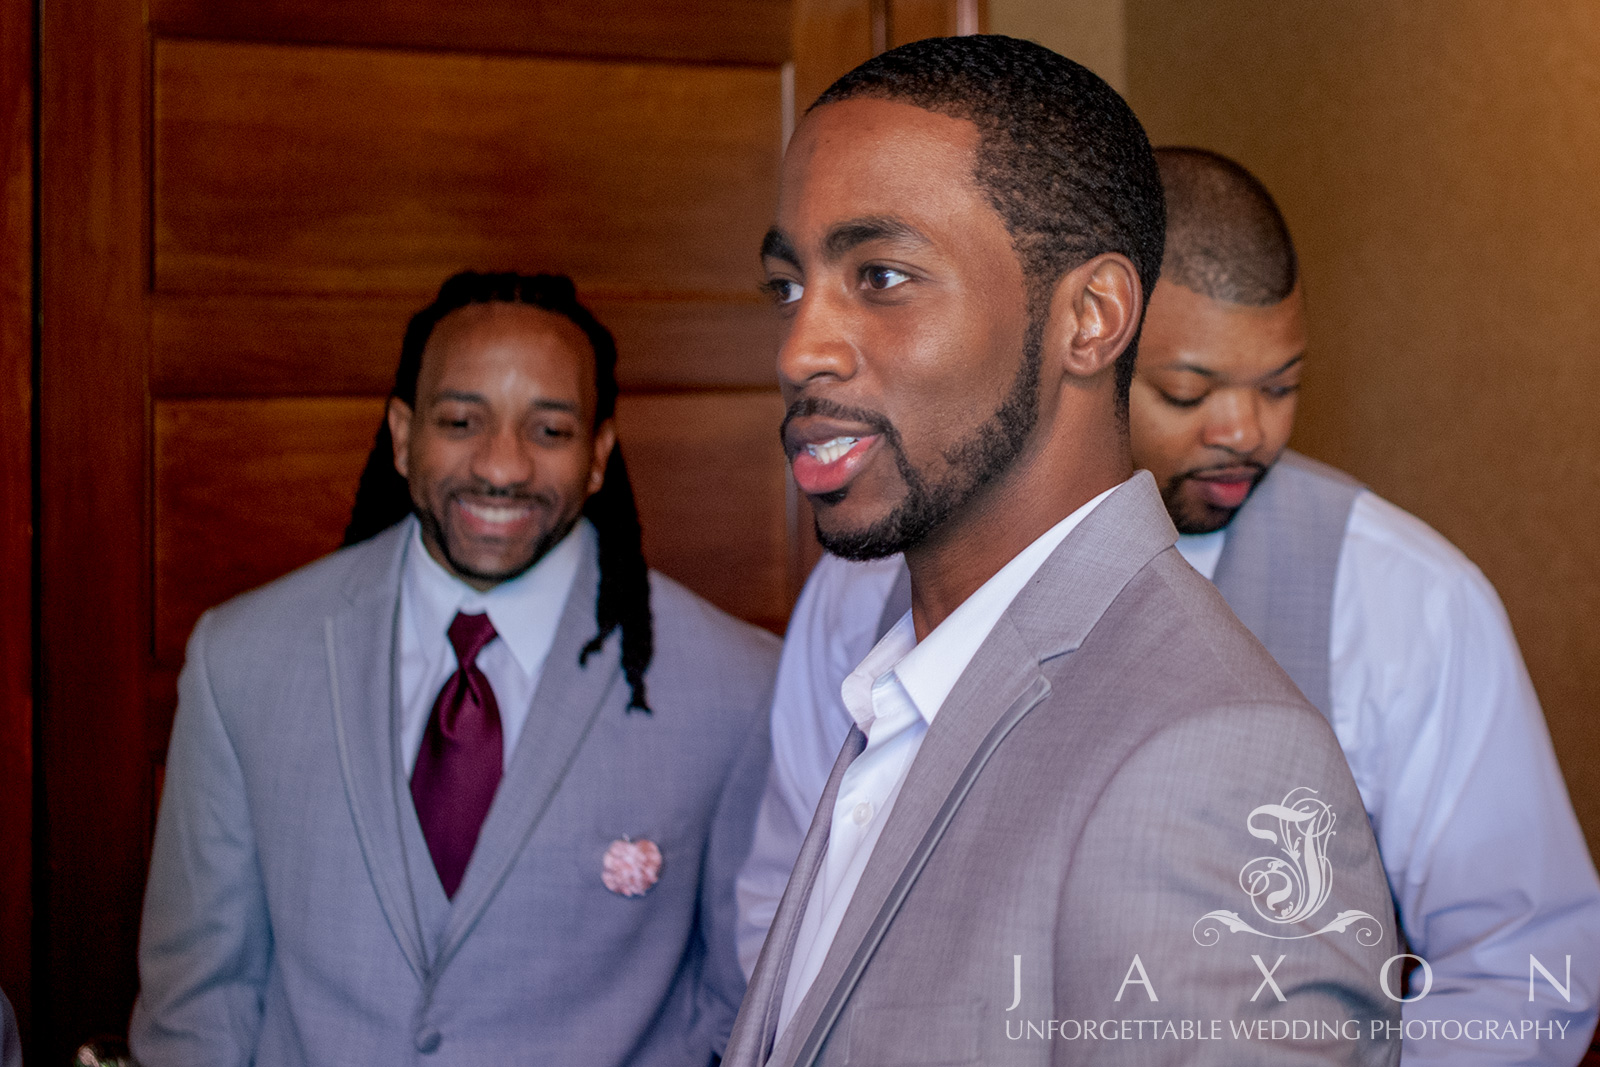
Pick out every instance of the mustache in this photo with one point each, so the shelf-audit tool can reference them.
(1260, 469)
(516, 492)
(816, 405)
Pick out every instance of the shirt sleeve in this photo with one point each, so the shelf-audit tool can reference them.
(1435, 711)
(834, 626)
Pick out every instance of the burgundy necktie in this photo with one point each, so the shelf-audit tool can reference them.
(458, 768)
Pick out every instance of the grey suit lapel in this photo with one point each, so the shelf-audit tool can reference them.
(991, 699)
(565, 705)
(360, 640)
(755, 1028)
(1052, 616)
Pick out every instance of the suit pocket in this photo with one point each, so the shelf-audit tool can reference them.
(920, 1035)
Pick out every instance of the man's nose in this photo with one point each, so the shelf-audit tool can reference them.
(819, 343)
(504, 458)
(1233, 420)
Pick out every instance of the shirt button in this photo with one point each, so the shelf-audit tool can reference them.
(862, 813)
(428, 1040)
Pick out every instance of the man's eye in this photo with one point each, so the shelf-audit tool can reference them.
(1181, 401)
(1280, 392)
(452, 423)
(782, 290)
(883, 277)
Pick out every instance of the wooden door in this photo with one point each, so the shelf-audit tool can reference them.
(241, 206)
(16, 502)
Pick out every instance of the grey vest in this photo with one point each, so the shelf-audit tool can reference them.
(1277, 570)
(1279, 564)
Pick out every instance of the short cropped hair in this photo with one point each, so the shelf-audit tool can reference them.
(1226, 238)
(1060, 155)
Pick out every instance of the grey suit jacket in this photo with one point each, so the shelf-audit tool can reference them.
(10, 1041)
(1097, 790)
(293, 916)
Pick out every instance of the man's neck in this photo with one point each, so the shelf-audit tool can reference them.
(967, 551)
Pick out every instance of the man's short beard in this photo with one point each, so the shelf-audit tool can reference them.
(975, 462)
(1212, 519)
(433, 530)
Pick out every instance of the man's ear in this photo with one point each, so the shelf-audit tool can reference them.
(399, 415)
(605, 439)
(1094, 314)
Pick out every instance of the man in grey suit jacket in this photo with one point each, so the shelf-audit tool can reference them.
(1043, 841)
(534, 867)
(1386, 628)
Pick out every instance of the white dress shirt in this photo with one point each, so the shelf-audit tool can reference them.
(524, 611)
(1442, 729)
(894, 696)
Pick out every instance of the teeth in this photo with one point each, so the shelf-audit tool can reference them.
(832, 451)
(489, 513)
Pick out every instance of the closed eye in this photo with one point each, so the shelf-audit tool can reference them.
(1181, 402)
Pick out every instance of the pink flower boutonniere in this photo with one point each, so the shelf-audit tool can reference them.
(630, 867)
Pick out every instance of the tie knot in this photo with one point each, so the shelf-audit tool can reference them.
(468, 635)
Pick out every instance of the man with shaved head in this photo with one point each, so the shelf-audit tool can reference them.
(1393, 634)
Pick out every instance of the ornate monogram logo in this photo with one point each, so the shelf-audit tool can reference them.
(1291, 887)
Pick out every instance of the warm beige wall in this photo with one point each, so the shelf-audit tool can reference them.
(1093, 32)
(1439, 163)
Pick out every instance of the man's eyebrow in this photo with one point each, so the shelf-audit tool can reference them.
(847, 236)
(1273, 374)
(543, 404)
(1206, 372)
(843, 238)
(776, 245)
(459, 396)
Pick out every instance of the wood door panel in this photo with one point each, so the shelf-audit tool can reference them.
(247, 490)
(912, 20)
(709, 476)
(239, 207)
(723, 31)
(302, 170)
(16, 506)
(94, 559)
(348, 346)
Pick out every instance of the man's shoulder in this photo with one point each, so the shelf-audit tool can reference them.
(1191, 635)
(1410, 587)
(698, 641)
(1190, 650)
(1384, 540)
(312, 591)
(1386, 532)
(1380, 535)
(1388, 528)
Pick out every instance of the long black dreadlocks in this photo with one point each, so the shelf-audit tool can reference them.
(383, 499)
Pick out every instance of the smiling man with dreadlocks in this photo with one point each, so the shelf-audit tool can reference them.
(451, 791)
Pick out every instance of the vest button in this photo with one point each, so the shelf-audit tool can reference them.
(428, 1039)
